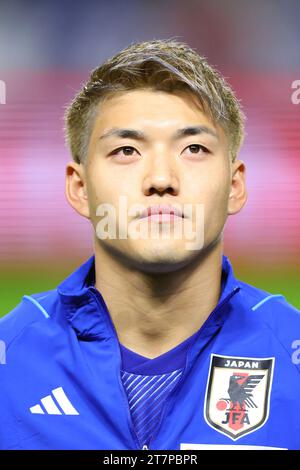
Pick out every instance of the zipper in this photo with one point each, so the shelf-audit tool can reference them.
(169, 400)
(99, 299)
(167, 405)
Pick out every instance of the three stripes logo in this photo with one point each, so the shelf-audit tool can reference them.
(55, 404)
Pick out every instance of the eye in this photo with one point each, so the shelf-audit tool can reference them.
(127, 151)
(197, 148)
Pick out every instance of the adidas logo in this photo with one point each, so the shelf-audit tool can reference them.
(59, 404)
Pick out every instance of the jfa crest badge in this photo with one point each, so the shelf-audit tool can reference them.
(238, 394)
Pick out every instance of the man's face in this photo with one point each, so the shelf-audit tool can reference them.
(161, 168)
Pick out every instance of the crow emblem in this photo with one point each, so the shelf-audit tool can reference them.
(238, 394)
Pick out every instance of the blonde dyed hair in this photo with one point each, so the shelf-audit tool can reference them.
(166, 65)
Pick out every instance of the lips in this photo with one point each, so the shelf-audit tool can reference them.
(161, 209)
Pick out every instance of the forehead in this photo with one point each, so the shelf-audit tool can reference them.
(151, 108)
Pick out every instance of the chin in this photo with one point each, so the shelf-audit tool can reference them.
(161, 259)
(159, 267)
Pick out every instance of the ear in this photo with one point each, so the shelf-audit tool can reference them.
(238, 192)
(75, 189)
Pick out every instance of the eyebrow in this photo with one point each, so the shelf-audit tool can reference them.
(139, 135)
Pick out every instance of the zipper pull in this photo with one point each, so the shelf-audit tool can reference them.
(145, 447)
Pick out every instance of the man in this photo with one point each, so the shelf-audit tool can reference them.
(152, 343)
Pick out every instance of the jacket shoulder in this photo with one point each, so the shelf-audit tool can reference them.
(267, 302)
(32, 308)
(274, 314)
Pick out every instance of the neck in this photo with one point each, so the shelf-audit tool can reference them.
(153, 313)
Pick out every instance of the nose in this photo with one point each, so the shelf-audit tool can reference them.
(161, 176)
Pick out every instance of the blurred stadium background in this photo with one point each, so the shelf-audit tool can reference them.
(46, 52)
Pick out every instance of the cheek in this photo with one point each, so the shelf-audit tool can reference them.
(108, 183)
(217, 203)
(211, 189)
(213, 192)
(96, 192)
(105, 191)
(99, 186)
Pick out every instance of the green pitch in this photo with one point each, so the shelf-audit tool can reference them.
(16, 283)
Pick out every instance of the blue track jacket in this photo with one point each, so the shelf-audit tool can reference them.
(60, 384)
